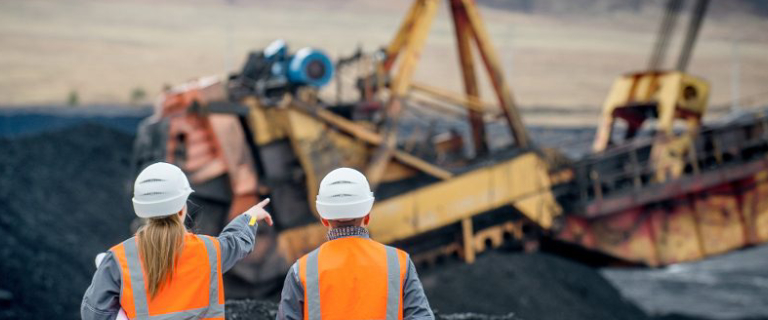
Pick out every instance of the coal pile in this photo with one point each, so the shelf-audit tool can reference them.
(533, 286)
(63, 199)
(251, 309)
(263, 310)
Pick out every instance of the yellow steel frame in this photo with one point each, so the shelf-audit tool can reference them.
(408, 44)
(323, 141)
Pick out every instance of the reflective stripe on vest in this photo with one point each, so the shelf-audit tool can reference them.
(138, 286)
(393, 286)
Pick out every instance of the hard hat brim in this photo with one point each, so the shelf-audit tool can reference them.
(332, 211)
(160, 209)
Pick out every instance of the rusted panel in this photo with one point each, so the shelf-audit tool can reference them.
(707, 222)
(719, 220)
(577, 230)
(674, 229)
(755, 207)
(628, 235)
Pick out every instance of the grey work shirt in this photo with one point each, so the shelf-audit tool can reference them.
(102, 298)
(415, 304)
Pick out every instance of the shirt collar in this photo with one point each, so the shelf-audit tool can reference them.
(348, 231)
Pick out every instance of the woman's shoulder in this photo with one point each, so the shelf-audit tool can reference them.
(120, 246)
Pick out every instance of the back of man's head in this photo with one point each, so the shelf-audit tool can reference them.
(344, 197)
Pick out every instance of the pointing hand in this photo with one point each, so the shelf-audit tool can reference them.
(258, 213)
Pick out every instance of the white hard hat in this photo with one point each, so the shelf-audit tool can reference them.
(160, 190)
(344, 194)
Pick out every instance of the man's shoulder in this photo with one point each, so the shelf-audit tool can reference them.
(399, 251)
(293, 272)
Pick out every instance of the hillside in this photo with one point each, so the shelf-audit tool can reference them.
(554, 56)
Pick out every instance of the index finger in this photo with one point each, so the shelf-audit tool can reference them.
(263, 203)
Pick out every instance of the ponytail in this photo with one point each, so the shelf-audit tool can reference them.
(160, 242)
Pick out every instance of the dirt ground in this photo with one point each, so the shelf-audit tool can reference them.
(105, 50)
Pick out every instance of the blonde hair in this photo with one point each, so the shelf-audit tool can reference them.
(160, 242)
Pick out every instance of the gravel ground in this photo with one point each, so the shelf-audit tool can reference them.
(731, 286)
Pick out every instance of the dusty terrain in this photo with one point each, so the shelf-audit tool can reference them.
(105, 50)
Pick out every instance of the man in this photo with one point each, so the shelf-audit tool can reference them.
(351, 276)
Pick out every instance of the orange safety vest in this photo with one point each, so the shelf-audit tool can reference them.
(353, 278)
(195, 291)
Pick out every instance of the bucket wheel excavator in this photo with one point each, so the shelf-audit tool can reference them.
(447, 188)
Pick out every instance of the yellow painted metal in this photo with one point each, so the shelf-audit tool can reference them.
(320, 148)
(399, 87)
(296, 242)
(402, 35)
(720, 222)
(675, 95)
(521, 182)
(473, 104)
(264, 122)
(755, 208)
(359, 131)
(323, 141)
(413, 46)
(626, 235)
(411, 36)
(468, 240)
(676, 236)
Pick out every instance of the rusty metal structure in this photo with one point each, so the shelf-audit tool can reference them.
(681, 192)
(678, 194)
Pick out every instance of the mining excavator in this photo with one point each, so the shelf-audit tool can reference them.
(659, 187)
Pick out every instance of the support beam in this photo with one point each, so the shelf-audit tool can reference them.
(699, 10)
(442, 94)
(493, 67)
(399, 87)
(463, 35)
(374, 139)
(468, 240)
(401, 37)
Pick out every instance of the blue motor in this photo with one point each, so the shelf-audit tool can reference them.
(311, 67)
(273, 72)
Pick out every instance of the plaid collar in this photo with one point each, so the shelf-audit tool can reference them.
(349, 231)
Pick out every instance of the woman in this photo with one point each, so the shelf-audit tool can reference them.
(165, 272)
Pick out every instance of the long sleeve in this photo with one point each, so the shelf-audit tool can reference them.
(292, 298)
(237, 241)
(415, 304)
(102, 298)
